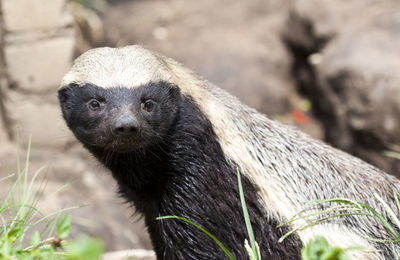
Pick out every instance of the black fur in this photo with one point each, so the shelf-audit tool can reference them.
(174, 166)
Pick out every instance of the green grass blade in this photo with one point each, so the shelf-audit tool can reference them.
(382, 221)
(61, 188)
(56, 213)
(301, 227)
(314, 203)
(318, 221)
(396, 199)
(26, 170)
(226, 251)
(29, 190)
(394, 147)
(336, 200)
(23, 198)
(382, 240)
(318, 213)
(10, 194)
(389, 211)
(3, 226)
(392, 154)
(247, 217)
(18, 182)
(36, 198)
(376, 214)
(363, 208)
(7, 177)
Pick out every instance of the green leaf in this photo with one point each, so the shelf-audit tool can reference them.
(319, 249)
(6, 247)
(64, 226)
(334, 253)
(226, 251)
(24, 256)
(35, 240)
(305, 105)
(14, 232)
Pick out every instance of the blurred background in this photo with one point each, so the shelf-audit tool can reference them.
(331, 68)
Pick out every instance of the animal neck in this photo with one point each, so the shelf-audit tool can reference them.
(141, 176)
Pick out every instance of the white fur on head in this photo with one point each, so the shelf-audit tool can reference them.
(128, 67)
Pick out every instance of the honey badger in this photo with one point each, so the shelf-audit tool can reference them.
(174, 142)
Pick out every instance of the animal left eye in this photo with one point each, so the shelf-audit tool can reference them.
(148, 105)
(94, 104)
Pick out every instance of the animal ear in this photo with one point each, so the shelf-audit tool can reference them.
(63, 97)
(175, 92)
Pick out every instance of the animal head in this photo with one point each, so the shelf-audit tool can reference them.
(119, 99)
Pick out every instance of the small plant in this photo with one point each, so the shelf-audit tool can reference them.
(20, 216)
(319, 249)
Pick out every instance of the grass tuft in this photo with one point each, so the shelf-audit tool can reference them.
(20, 216)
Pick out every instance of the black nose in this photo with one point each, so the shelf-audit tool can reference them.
(125, 125)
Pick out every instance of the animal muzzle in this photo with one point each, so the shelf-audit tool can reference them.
(125, 126)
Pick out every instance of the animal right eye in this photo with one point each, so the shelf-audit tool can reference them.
(94, 104)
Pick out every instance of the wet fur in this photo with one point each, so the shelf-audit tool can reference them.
(184, 173)
(282, 167)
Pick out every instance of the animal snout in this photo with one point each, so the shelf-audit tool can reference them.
(125, 125)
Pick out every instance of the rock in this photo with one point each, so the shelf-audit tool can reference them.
(37, 62)
(5, 144)
(36, 50)
(39, 116)
(4, 119)
(89, 28)
(3, 135)
(138, 254)
(348, 63)
(23, 15)
(246, 58)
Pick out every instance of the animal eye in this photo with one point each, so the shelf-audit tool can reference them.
(94, 104)
(148, 105)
